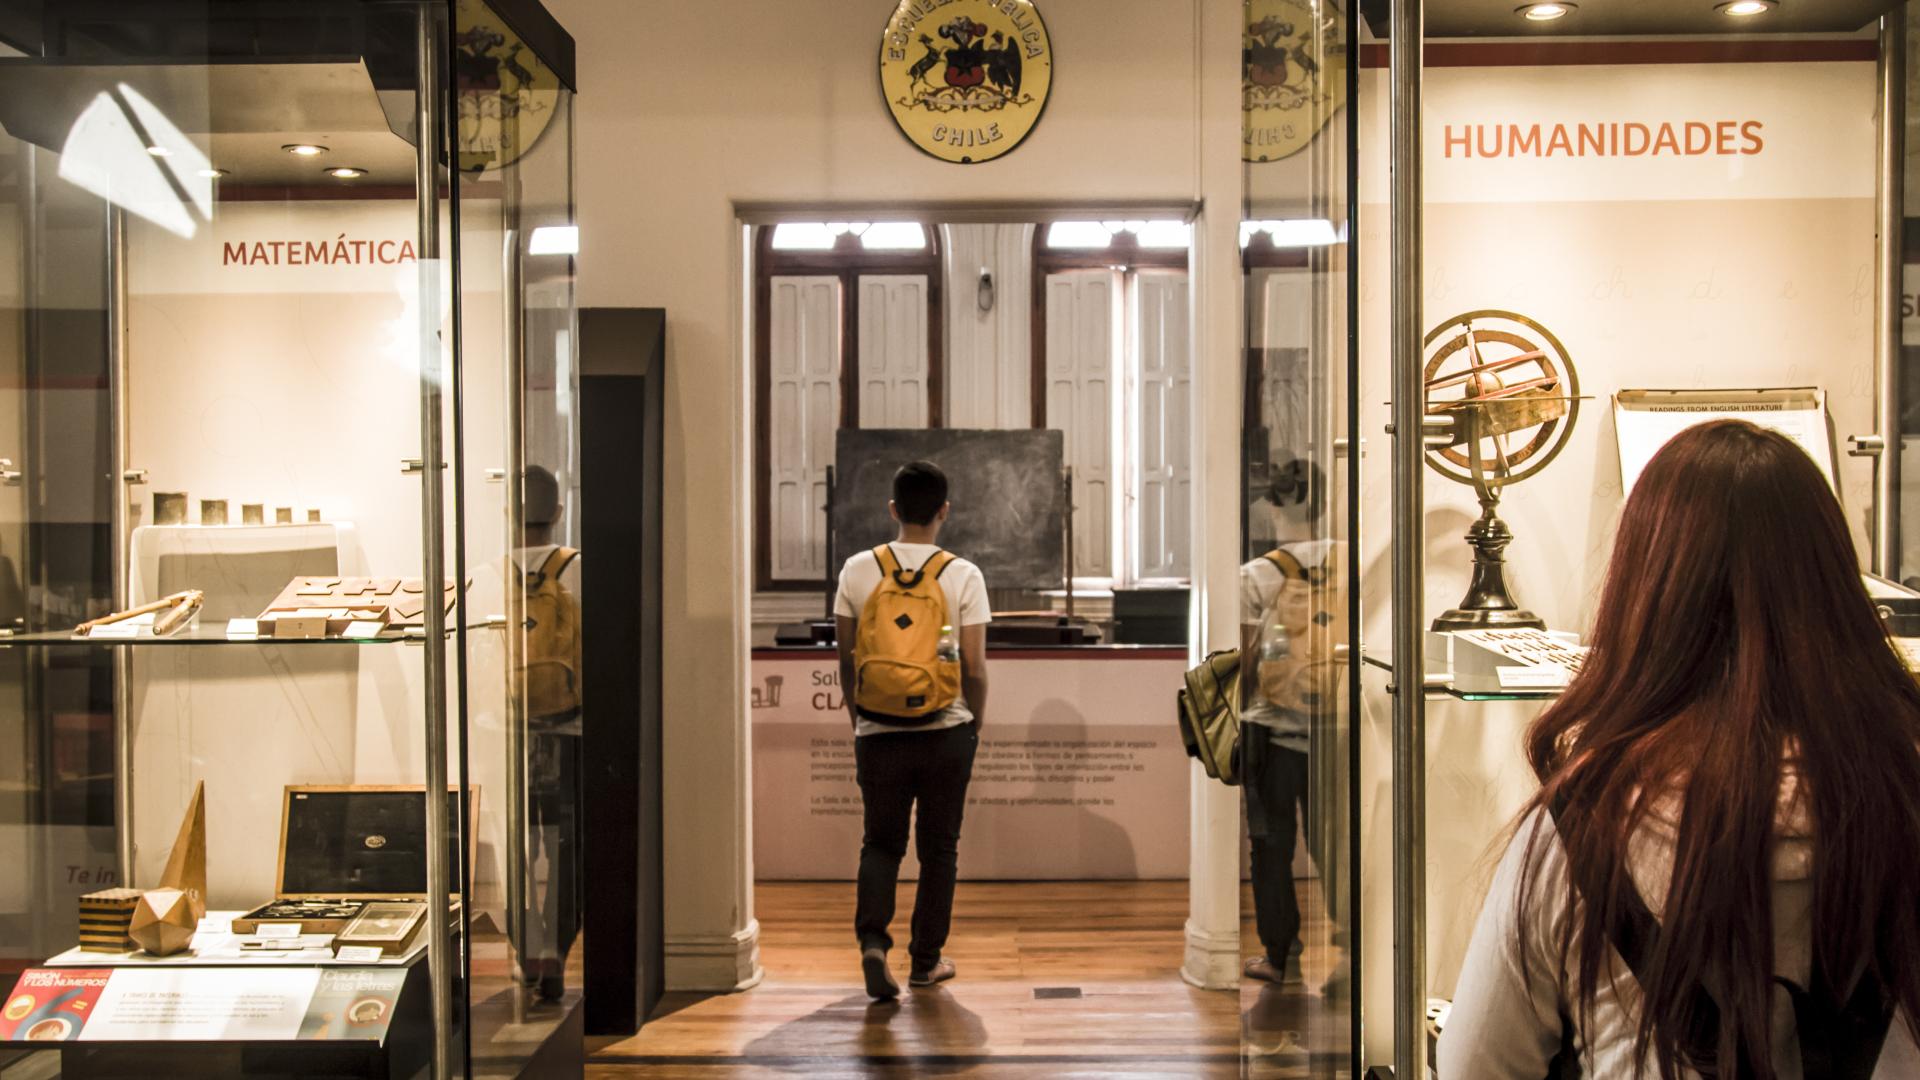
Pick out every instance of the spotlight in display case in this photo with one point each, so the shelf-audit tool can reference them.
(1513, 397)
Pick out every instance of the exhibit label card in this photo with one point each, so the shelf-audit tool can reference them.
(51, 1005)
(359, 954)
(1535, 677)
(205, 1005)
(353, 1003)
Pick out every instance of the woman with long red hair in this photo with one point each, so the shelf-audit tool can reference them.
(1720, 874)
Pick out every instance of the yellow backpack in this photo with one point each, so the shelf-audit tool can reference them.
(898, 675)
(552, 658)
(1312, 606)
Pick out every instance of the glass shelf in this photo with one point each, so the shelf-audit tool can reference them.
(1440, 686)
(202, 636)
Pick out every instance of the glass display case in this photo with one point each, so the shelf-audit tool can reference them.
(287, 526)
(1299, 750)
(1588, 227)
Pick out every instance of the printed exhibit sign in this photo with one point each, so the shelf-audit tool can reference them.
(1293, 75)
(1516, 135)
(1079, 773)
(966, 80)
(184, 1004)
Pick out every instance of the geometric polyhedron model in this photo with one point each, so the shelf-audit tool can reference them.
(164, 923)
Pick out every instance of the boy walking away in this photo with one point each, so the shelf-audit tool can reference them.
(912, 625)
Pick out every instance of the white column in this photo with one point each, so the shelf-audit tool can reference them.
(712, 937)
(1213, 899)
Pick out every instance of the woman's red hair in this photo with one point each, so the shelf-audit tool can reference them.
(1735, 641)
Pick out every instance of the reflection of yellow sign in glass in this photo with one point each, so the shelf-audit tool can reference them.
(1295, 74)
(966, 80)
(506, 94)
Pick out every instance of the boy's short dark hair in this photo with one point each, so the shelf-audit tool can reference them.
(542, 496)
(919, 491)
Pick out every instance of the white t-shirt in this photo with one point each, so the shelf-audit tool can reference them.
(1260, 585)
(966, 590)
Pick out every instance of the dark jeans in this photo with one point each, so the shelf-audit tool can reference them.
(553, 824)
(896, 770)
(1275, 782)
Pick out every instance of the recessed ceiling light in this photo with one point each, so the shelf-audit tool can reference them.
(305, 149)
(159, 151)
(212, 174)
(1746, 7)
(346, 172)
(1544, 12)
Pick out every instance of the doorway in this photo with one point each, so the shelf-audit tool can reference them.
(1046, 366)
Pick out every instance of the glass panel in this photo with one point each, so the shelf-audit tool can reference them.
(1636, 217)
(213, 327)
(520, 509)
(1298, 747)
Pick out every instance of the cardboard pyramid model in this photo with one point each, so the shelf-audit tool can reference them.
(166, 918)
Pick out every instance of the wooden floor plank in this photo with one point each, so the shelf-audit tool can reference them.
(1119, 944)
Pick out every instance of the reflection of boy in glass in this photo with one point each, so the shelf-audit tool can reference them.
(549, 577)
(1291, 619)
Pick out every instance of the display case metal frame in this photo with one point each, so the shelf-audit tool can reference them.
(1405, 45)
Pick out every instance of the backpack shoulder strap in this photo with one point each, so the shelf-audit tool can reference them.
(888, 564)
(557, 562)
(1284, 562)
(1836, 1043)
(939, 562)
(1840, 1043)
(1635, 935)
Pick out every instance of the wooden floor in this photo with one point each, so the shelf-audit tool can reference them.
(1070, 979)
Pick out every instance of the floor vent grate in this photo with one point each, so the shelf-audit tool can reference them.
(1056, 993)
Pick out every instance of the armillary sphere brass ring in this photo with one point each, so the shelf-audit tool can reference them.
(1537, 374)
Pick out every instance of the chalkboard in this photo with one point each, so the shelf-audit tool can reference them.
(1009, 503)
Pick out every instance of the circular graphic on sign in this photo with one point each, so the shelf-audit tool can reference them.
(966, 80)
(1293, 74)
(505, 94)
(53, 1029)
(366, 1011)
(19, 1007)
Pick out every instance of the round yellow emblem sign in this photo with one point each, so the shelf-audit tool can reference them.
(506, 95)
(1294, 60)
(966, 80)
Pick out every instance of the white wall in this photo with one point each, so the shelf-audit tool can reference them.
(756, 104)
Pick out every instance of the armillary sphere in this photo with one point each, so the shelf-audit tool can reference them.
(1513, 397)
(1511, 391)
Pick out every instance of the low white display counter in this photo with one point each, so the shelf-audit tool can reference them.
(1080, 773)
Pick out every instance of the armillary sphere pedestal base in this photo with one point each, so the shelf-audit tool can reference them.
(1464, 619)
(1489, 603)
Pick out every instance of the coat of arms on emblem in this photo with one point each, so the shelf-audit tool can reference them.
(506, 96)
(1294, 74)
(966, 80)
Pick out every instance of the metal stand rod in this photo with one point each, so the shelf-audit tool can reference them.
(1409, 452)
(117, 394)
(519, 916)
(1887, 294)
(1067, 552)
(830, 583)
(440, 961)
